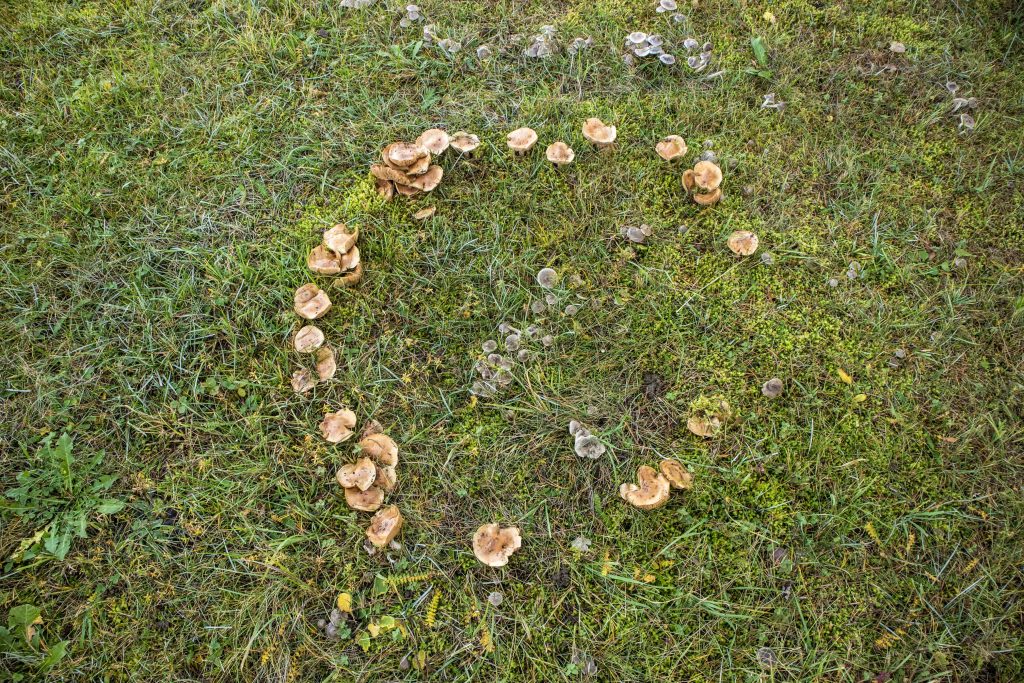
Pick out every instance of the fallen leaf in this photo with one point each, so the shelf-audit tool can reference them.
(844, 376)
(424, 214)
(860, 398)
(345, 602)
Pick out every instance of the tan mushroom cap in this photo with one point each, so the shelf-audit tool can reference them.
(420, 167)
(689, 183)
(707, 427)
(595, 131)
(308, 339)
(434, 140)
(560, 153)
(385, 172)
(387, 477)
(707, 175)
(311, 302)
(337, 427)
(350, 278)
(743, 242)
(676, 474)
(708, 198)
(302, 381)
(403, 155)
(384, 526)
(339, 240)
(493, 545)
(364, 501)
(425, 213)
(407, 190)
(521, 140)
(671, 147)
(359, 474)
(323, 261)
(429, 180)
(381, 448)
(326, 365)
(652, 492)
(384, 188)
(350, 259)
(464, 142)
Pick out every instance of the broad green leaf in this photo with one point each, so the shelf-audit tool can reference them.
(760, 50)
(110, 506)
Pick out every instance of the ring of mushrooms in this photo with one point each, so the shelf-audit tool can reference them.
(598, 133)
(384, 526)
(671, 148)
(493, 545)
(560, 154)
(703, 183)
(522, 140)
(650, 493)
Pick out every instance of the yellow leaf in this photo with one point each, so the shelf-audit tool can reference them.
(860, 398)
(769, 17)
(843, 376)
(345, 602)
(374, 629)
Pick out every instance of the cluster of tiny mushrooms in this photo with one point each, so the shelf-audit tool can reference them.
(406, 169)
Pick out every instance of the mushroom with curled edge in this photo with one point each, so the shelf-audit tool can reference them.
(311, 302)
(464, 143)
(651, 493)
(339, 240)
(384, 526)
(676, 474)
(493, 545)
(521, 140)
(382, 448)
(598, 133)
(337, 427)
(434, 140)
(302, 381)
(406, 156)
(429, 180)
(308, 339)
(323, 261)
(361, 474)
(560, 154)
(671, 148)
(350, 278)
(364, 501)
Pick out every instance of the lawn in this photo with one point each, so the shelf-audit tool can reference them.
(170, 510)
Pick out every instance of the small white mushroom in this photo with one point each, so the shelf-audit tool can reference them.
(547, 277)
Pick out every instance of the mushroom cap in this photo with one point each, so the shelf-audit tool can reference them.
(560, 153)
(595, 131)
(676, 474)
(384, 526)
(588, 446)
(425, 213)
(407, 190)
(403, 155)
(337, 427)
(384, 188)
(311, 302)
(323, 261)
(688, 180)
(707, 427)
(308, 339)
(385, 172)
(387, 477)
(339, 240)
(652, 492)
(707, 175)
(708, 198)
(365, 501)
(743, 242)
(359, 474)
(302, 381)
(464, 142)
(420, 167)
(522, 139)
(350, 278)
(671, 147)
(381, 448)
(326, 365)
(773, 388)
(429, 180)
(493, 545)
(434, 140)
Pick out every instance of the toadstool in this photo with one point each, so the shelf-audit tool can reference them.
(671, 147)
(596, 132)
(361, 474)
(364, 501)
(350, 278)
(387, 477)
(652, 491)
(707, 175)
(302, 381)
(743, 242)
(429, 180)
(337, 427)
(676, 474)
(339, 240)
(326, 365)
(708, 198)
(493, 545)
(308, 339)
(522, 140)
(323, 261)
(384, 526)
(464, 142)
(404, 155)
(381, 448)
(434, 140)
(560, 154)
(311, 302)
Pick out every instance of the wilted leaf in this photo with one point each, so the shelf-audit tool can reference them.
(345, 602)
(860, 398)
(844, 376)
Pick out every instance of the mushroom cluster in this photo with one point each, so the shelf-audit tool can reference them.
(406, 166)
(311, 303)
(644, 45)
(653, 487)
(337, 255)
(585, 444)
(703, 182)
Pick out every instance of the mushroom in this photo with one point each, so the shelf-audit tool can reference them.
(493, 545)
(397, 175)
(350, 278)
(429, 180)
(311, 302)
(364, 501)
(707, 175)
(337, 427)
(326, 366)
(339, 240)
(404, 155)
(671, 147)
(464, 142)
(387, 477)
(676, 474)
(588, 446)
(650, 494)
(434, 140)
(425, 213)
(547, 278)
(522, 140)
(302, 381)
(709, 416)
(324, 261)
(704, 426)
(349, 260)
(709, 198)
(407, 190)
(688, 180)
(385, 188)
(384, 526)
(596, 132)
(773, 388)
(743, 242)
(381, 448)
(361, 474)
(308, 339)
(560, 153)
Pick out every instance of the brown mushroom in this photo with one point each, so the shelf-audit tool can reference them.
(349, 260)
(364, 501)
(385, 172)
(464, 142)
(429, 180)
(596, 132)
(420, 167)
(708, 198)
(560, 153)
(350, 278)
(323, 261)
(337, 427)
(403, 155)
(676, 474)
(339, 240)
(407, 190)
(385, 188)
(707, 427)
(302, 381)
(434, 140)
(308, 339)
(311, 302)
(707, 175)
(326, 365)
(522, 140)
(493, 545)
(743, 242)
(671, 147)
(384, 526)
(381, 448)
(689, 183)
(387, 477)
(425, 213)
(360, 474)
(650, 494)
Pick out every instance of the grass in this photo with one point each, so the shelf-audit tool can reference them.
(165, 166)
